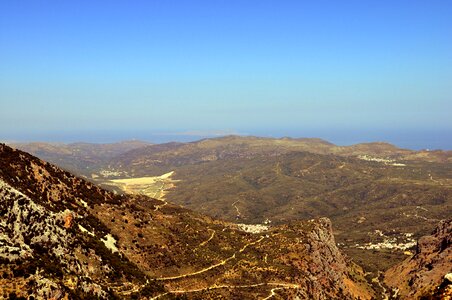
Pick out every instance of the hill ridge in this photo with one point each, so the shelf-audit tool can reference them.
(150, 244)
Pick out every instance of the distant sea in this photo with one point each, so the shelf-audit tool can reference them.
(409, 139)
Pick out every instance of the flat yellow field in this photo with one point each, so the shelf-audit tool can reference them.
(143, 180)
(153, 186)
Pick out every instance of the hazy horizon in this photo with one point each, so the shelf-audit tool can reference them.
(346, 72)
(432, 140)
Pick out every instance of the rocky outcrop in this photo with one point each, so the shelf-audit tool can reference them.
(327, 261)
(35, 243)
(329, 265)
(426, 274)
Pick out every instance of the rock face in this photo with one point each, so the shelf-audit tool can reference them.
(61, 237)
(327, 261)
(41, 254)
(35, 242)
(427, 273)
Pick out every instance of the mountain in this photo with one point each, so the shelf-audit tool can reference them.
(65, 238)
(428, 273)
(152, 158)
(380, 198)
(88, 159)
(78, 157)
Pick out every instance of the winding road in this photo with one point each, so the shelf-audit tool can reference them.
(157, 207)
(278, 285)
(223, 262)
(237, 209)
(211, 237)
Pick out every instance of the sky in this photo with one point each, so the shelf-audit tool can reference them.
(347, 71)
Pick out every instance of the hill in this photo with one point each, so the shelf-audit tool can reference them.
(152, 158)
(78, 157)
(380, 198)
(63, 237)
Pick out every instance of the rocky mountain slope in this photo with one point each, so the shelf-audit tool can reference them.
(428, 273)
(63, 237)
(44, 251)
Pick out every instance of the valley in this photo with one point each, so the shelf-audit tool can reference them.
(380, 199)
(80, 241)
(253, 180)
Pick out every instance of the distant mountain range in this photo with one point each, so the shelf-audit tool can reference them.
(80, 156)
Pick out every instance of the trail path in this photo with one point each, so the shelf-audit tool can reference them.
(237, 209)
(211, 237)
(436, 181)
(223, 262)
(133, 289)
(384, 292)
(158, 191)
(279, 286)
(157, 207)
(308, 169)
(252, 243)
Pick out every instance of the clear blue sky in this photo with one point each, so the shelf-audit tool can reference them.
(259, 67)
